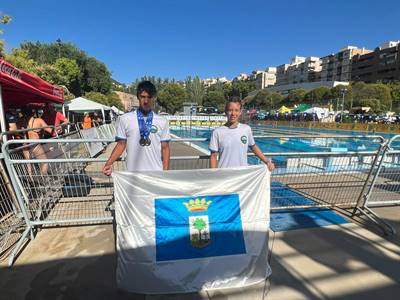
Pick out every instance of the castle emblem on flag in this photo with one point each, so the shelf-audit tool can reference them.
(199, 225)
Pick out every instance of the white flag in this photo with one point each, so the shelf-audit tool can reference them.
(192, 230)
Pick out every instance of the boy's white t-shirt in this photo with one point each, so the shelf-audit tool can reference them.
(232, 145)
(142, 158)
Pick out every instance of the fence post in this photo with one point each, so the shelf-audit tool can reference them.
(18, 193)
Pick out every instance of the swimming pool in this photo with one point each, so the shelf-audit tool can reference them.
(292, 140)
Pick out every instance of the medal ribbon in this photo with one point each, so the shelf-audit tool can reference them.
(144, 127)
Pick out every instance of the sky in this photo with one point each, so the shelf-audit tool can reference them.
(209, 38)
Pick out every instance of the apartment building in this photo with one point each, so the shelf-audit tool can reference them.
(211, 81)
(303, 70)
(266, 78)
(383, 64)
(241, 77)
(337, 66)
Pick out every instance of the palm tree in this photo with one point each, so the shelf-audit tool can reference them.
(200, 225)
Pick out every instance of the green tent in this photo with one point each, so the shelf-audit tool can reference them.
(301, 108)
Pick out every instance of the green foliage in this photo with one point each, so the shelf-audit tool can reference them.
(199, 224)
(260, 99)
(242, 88)
(97, 97)
(96, 77)
(294, 97)
(378, 95)
(93, 74)
(171, 97)
(109, 99)
(67, 70)
(265, 100)
(215, 99)
(157, 81)
(63, 72)
(319, 95)
(113, 99)
(20, 59)
(195, 90)
(395, 92)
(4, 19)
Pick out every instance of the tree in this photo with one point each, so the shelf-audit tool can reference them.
(200, 225)
(215, 99)
(395, 92)
(67, 70)
(4, 19)
(335, 96)
(114, 100)
(295, 97)
(378, 95)
(171, 97)
(241, 88)
(93, 74)
(110, 99)
(261, 100)
(97, 97)
(96, 77)
(319, 95)
(64, 72)
(20, 59)
(194, 90)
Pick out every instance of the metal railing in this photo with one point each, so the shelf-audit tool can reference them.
(67, 186)
(385, 187)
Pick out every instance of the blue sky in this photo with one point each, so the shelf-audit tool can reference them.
(210, 38)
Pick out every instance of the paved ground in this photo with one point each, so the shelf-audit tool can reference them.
(335, 262)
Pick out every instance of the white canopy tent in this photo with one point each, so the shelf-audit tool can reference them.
(116, 110)
(81, 104)
(319, 111)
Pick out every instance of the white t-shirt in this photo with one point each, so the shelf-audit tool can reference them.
(232, 145)
(142, 158)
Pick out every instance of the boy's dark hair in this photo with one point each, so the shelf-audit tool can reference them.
(234, 99)
(146, 86)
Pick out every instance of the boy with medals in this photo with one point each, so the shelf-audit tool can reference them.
(143, 134)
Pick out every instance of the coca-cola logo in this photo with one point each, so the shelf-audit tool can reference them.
(10, 70)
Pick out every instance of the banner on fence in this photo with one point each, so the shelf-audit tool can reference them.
(186, 231)
(93, 147)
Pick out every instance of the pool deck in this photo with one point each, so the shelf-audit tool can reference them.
(334, 262)
(350, 261)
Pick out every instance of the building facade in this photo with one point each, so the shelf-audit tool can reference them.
(383, 64)
(266, 78)
(337, 67)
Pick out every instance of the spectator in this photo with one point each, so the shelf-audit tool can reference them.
(38, 126)
(11, 120)
(87, 121)
(53, 117)
(97, 119)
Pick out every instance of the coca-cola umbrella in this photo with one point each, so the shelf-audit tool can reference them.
(19, 88)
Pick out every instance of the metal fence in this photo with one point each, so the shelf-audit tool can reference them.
(11, 221)
(385, 188)
(66, 186)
